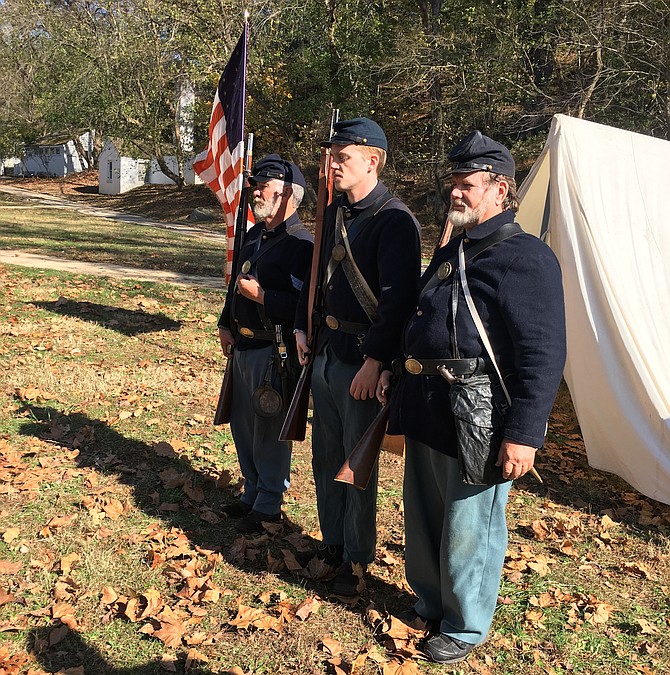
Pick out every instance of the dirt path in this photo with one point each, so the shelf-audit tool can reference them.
(14, 257)
(54, 202)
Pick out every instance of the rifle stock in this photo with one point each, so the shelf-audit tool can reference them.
(295, 424)
(357, 468)
(225, 402)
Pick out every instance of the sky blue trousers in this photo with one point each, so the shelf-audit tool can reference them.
(347, 515)
(455, 539)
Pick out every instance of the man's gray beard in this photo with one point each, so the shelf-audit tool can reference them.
(464, 219)
(262, 210)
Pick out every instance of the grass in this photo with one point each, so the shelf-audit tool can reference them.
(55, 232)
(112, 477)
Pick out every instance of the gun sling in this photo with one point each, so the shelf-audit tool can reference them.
(341, 253)
(444, 271)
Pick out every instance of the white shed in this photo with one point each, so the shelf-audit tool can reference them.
(56, 155)
(118, 173)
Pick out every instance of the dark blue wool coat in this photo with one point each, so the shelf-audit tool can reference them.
(388, 253)
(517, 289)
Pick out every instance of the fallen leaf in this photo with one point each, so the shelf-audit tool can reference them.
(57, 634)
(308, 607)
(67, 562)
(194, 492)
(359, 664)
(647, 627)
(193, 656)
(109, 595)
(331, 647)
(168, 663)
(7, 598)
(402, 668)
(171, 634)
(11, 534)
(638, 568)
(9, 567)
(154, 603)
(61, 609)
(113, 508)
(57, 523)
(540, 565)
(164, 449)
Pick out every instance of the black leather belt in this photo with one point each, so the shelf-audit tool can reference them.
(254, 334)
(457, 367)
(350, 327)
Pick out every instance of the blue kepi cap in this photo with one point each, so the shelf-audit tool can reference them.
(477, 152)
(359, 131)
(274, 167)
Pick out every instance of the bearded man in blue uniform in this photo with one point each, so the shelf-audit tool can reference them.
(368, 270)
(256, 323)
(473, 414)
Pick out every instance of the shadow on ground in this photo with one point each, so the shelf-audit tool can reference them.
(139, 465)
(73, 652)
(127, 321)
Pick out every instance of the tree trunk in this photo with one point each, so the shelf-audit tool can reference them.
(178, 180)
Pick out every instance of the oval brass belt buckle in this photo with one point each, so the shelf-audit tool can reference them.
(332, 322)
(413, 366)
(246, 332)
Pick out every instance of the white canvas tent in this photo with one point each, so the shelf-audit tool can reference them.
(601, 196)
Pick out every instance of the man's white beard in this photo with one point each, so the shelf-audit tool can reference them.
(470, 217)
(466, 218)
(263, 209)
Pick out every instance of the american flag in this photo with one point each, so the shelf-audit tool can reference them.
(221, 164)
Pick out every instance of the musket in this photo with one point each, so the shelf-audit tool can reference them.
(445, 235)
(295, 424)
(358, 467)
(224, 404)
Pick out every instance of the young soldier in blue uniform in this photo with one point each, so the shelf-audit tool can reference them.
(456, 534)
(359, 330)
(256, 323)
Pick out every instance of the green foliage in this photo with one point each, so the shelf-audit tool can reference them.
(427, 70)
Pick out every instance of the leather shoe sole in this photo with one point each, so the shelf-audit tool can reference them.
(443, 648)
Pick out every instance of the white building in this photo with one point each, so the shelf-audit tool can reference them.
(56, 155)
(119, 172)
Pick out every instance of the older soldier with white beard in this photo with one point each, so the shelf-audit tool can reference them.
(473, 414)
(256, 323)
